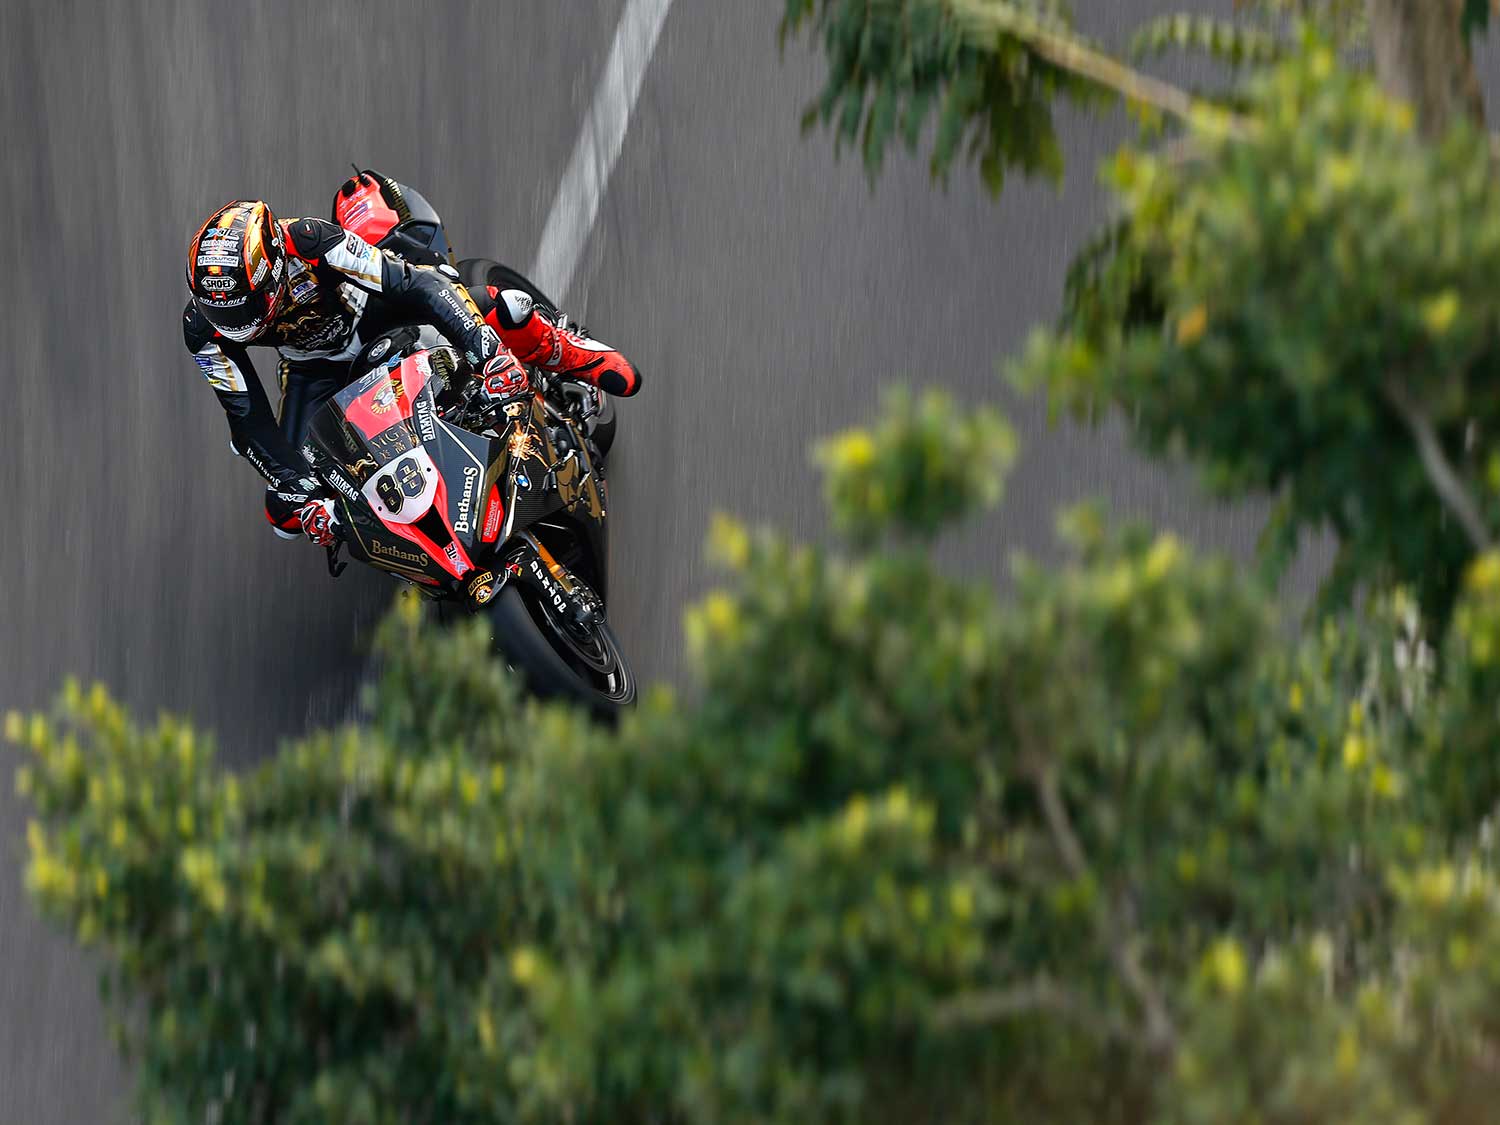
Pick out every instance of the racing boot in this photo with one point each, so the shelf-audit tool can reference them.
(560, 348)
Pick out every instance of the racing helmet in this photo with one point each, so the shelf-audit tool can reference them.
(236, 268)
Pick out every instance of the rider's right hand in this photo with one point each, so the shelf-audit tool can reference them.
(319, 522)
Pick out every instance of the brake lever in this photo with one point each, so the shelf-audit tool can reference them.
(335, 567)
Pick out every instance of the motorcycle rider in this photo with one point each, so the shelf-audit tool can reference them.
(318, 293)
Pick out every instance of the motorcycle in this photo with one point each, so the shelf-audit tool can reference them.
(492, 504)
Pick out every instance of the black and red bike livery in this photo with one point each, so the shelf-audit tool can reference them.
(495, 505)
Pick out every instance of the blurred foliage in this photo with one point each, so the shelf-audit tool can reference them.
(896, 65)
(1228, 40)
(908, 852)
(1293, 310)
(1119, 847)
(927, 463)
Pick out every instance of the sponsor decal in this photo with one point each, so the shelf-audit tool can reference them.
(259, 275)
(513, 567)
(276, 269)
(342, 485)
(229, 302)
(425, 424)
(466, 500)
(539, 572)
(392, 441)
(381, 347)
(383, 551)
(454, 302)
(304, 288)
(460, 568)
(220, 260)
(492, 517)
(219, 284)
(523, 480)
(356, 245)
(482, 587)
(360, 470)
(253, 456)
(513, 409)
(524, 446)
(385, 398)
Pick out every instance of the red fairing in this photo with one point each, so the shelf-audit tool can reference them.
(364, 211)
(494, 512)
(390, 399)
(385, 404)
(450, 556)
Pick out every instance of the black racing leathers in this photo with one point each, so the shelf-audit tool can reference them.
(340, 292)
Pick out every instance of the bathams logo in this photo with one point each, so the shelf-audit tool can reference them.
(466, 501)
(380, 550)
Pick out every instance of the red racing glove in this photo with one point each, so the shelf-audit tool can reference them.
(319, 522)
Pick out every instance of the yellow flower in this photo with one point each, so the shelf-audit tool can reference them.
(1387, 783)
(1193, 324)
(1162, 557)
(1356, 750)
(855, 822)
(524, 965)
(1342, 172)
(1485, 573)
(1440, 312)
(961, 901)
(852, 451)
(1294, 699)
(1347, 1056)
(1225, 966)
(1435, 885)
(729, 542)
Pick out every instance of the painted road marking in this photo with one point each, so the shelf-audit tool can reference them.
(576, 206)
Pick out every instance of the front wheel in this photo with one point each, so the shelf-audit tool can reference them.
(556, 662)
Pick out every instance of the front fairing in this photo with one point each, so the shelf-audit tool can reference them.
(417, 491)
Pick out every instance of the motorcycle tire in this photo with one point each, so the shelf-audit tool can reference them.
(478, 272)
(528, 639)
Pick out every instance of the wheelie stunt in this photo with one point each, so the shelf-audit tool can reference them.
(444, 421)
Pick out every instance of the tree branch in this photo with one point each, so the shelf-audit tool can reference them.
(1161, 1035)
(985, 19)
(1444, 479)
(1040, 994)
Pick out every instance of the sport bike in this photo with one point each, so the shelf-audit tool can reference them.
(495, 505)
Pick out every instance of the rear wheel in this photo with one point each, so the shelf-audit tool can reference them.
(557, 662)
(478, 272)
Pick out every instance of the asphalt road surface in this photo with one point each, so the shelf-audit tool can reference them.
(766, 291)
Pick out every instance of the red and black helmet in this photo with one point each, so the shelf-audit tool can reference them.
(236, 268)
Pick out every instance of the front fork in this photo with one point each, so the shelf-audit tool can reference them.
(529, 561)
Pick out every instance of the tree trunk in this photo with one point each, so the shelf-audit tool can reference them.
(1421, 57)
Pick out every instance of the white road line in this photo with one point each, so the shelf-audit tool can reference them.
(603, 136)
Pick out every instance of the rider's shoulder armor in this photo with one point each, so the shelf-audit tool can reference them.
(311, 238)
